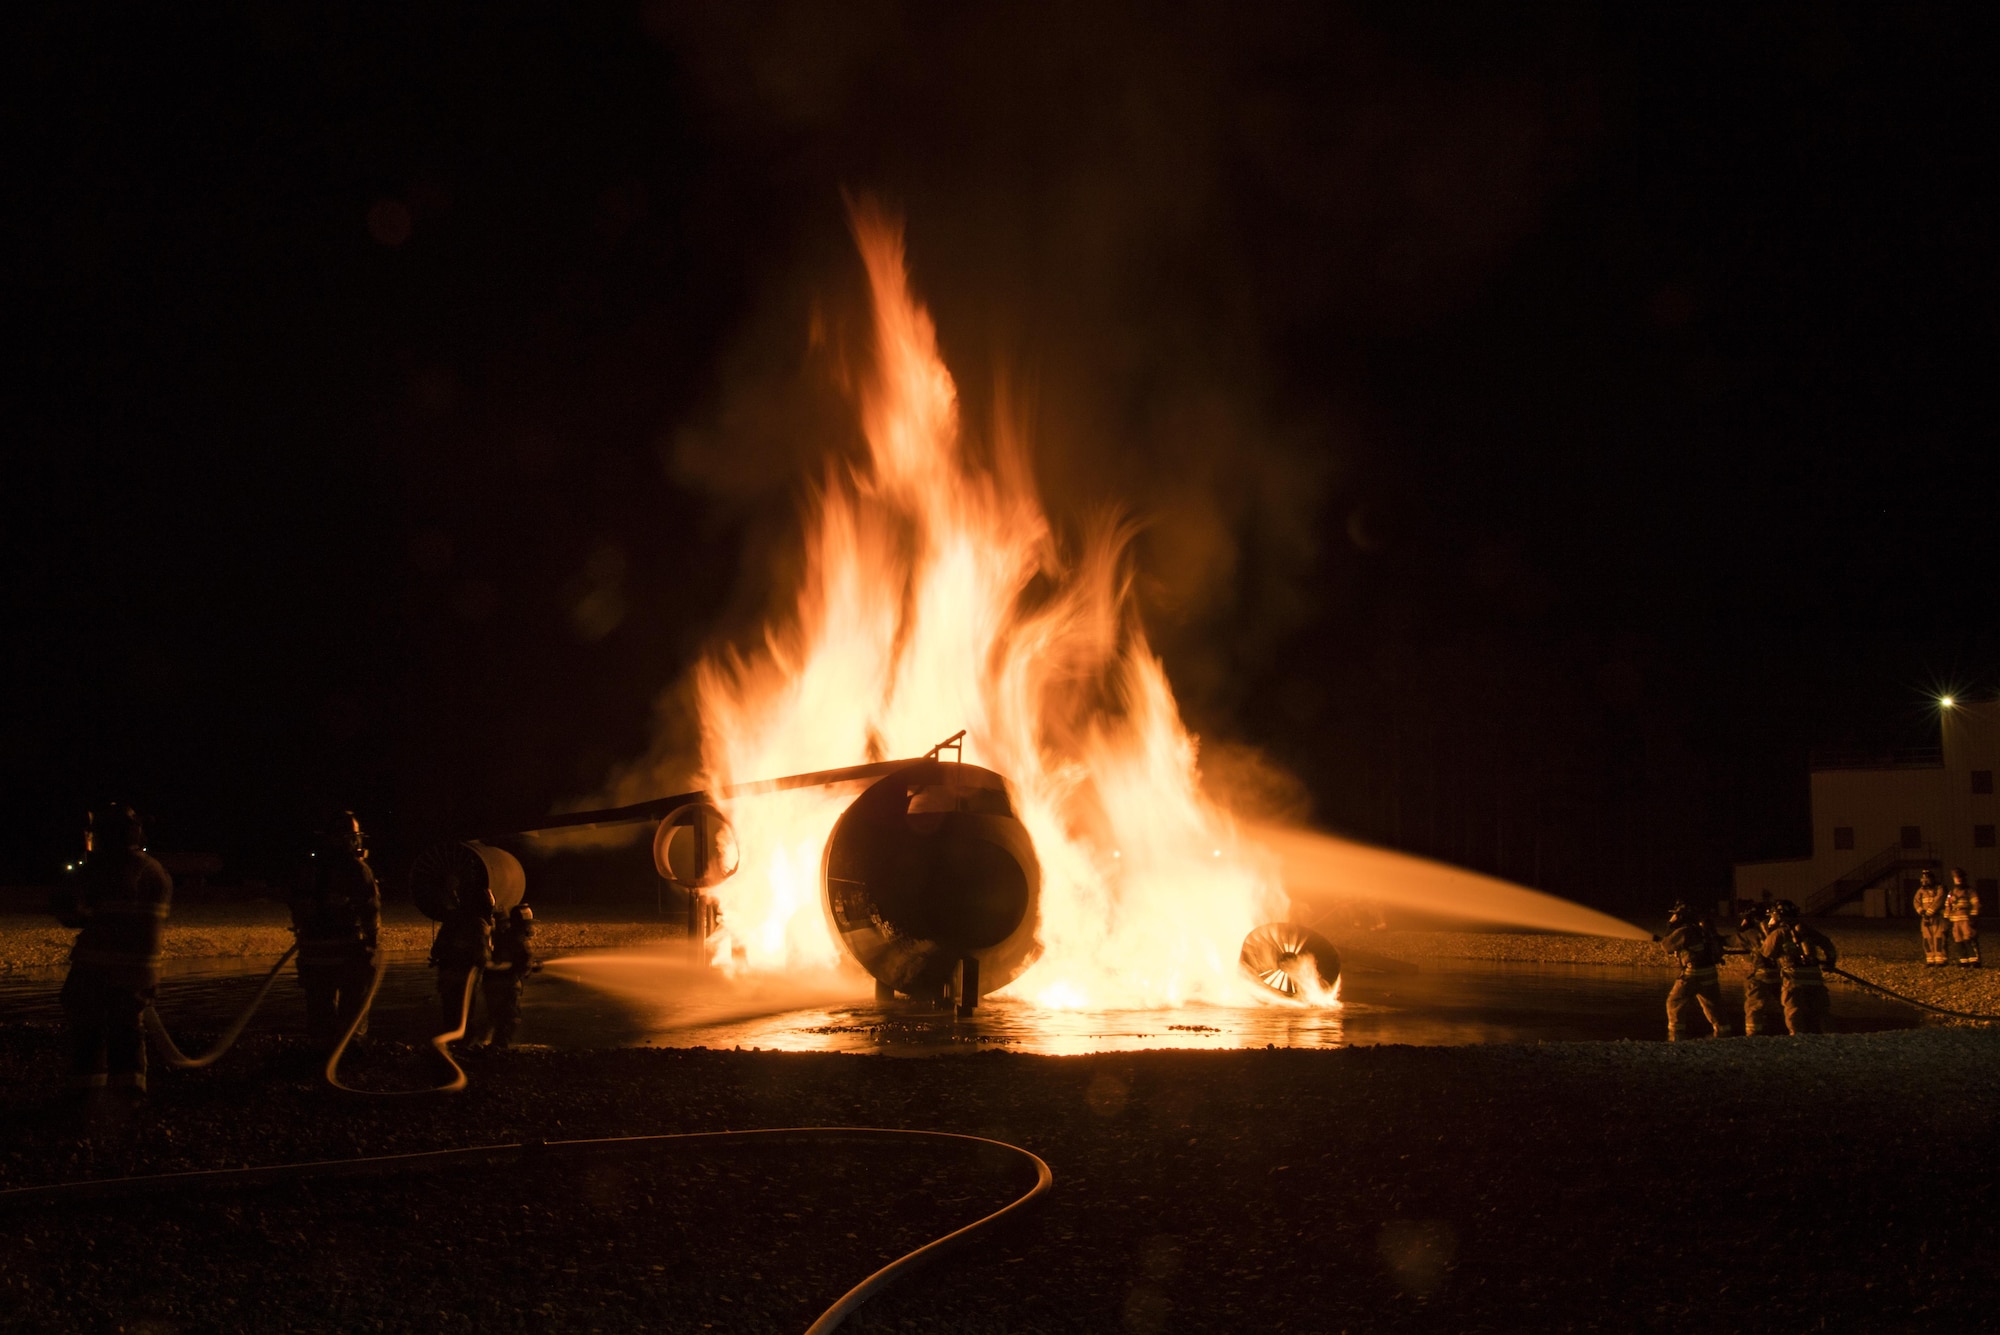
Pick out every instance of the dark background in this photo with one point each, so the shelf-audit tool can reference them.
(1548, 421)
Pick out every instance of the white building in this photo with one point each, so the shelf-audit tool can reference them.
(1879, 820)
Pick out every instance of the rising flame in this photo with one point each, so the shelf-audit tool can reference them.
(936, 596)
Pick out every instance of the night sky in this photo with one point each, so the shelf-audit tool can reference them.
(1548, 422)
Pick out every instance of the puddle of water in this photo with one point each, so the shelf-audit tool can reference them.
(660, 997)
(1448, 1002)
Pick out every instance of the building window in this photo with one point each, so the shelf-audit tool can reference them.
(1843, 836)
(1913, 836)
(1982, 836)
(1982, 781)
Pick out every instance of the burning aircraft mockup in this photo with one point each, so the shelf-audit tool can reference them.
(934, 592)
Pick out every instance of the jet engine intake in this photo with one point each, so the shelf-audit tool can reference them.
(932, 884)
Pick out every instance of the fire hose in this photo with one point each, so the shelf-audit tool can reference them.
(441, 1042)
(530, 1151)
(1891, 992)
(170, 1051)
(828, 1321)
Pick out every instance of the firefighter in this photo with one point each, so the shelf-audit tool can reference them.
(121, 906)
(1961, 907)
(1694, 942)
(1802, 953)
(337, 914)
(463, 948)
(1928, 902)
(1761, 1011)
(505, 977)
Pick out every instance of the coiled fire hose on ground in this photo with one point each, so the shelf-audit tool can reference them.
(170, 1051)
(441, 1042)
(828, 1320)
(1891, 992)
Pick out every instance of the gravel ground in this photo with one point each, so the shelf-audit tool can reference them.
(1780, 1184)
(261, 927)
(1887, 953)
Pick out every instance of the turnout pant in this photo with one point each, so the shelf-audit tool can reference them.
(1762, 1013)
(1965, 940)
(1806, 1007)
(503, 1003)
(1933, 940)
(336, 986)
(1688, 1001)
(107, 1040)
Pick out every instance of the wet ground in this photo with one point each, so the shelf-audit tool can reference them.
(658, 997)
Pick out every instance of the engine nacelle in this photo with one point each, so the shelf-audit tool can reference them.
(695, 846)
(467, 875)
(929, 871)
(1292, 962)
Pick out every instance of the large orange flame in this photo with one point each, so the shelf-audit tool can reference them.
(936, 596)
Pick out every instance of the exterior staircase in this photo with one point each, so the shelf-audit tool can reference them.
(1891, 860)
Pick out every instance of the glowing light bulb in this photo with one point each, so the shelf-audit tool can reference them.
(1945, 702)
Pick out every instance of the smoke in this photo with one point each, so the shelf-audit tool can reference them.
(1161, 239)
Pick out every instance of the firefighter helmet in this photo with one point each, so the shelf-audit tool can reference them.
(342, 830)
(116, 826)
(1785, 911)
